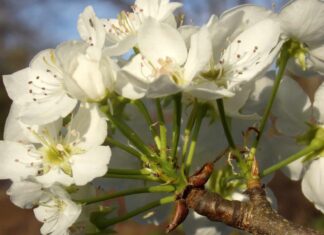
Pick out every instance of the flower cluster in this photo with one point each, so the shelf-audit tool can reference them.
(63, 103)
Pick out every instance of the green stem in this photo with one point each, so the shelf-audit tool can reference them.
(131, 135)
(283, 59)
(304, 152)
(188, 129)
(142, 108)
(163, 130)
(134, 177)
(228, 134)
(105, 222)
(151, 189)
(128, 171)
(124, 147)
(200, 116)
(176, 124)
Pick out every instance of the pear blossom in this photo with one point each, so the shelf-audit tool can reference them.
(122, 33)
(292, 112)
(245, 58)
(57, 212)
(67, 155)
(303, 22)
(165, 65)
(38, 87)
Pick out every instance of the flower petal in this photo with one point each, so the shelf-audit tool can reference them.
(199, 55)
(304, 20)
(25, 194)
(16, 163)
(90, 165)
(249, 55)
(88, 128)
(91, 28)
(312, 184)
(160, 41)
(292, 108)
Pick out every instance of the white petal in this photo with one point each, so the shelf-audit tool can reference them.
(251, 14)
(15, 130)
(292, 108)
(88, 128)
(304, 20)
(233, 105)
(319, 104)
(55, 175)
(208, 91)
(260, 94)
(122, 46)
(91, 28)
(16, 163)
(129, 86)
(88, 75)
(90, 165)
(158, 9)
(313, 183)
(186, 32)
(316, 58)
(160, 41)
(17, 86)
(249, 55)
(40, 113)
(25, 194)
(199, 55)
(161, 87)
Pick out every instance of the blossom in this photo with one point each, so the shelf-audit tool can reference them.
(245, 58)
(121, 33)
(57, 211)
(39, 87)
(303, 22)
(71, 154)
(165, 64)
(293, 113)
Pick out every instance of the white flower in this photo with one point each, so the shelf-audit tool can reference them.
(245, 58)
(57, 211)
(165, 65)
(122, 32)
(65, 155)
(313, 183)
(303, 22)
(39, 87)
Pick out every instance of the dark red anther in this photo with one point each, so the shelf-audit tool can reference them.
(180, 214)
(201, 177)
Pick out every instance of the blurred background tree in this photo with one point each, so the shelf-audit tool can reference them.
(29, 26)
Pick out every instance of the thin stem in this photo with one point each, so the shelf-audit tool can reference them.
(228, 134)
(131, 135)
(163, 130)
(133, 177)
(200, 116)
(124, 147)
(129, 171)
(176, 124)
(188, 129)
(304, 152)
(283, 59)
(105, 222)
(151, 189)
(143, 109)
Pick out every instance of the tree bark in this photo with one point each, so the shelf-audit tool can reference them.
(255, 216)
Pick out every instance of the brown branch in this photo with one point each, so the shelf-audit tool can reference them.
(255, 216)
